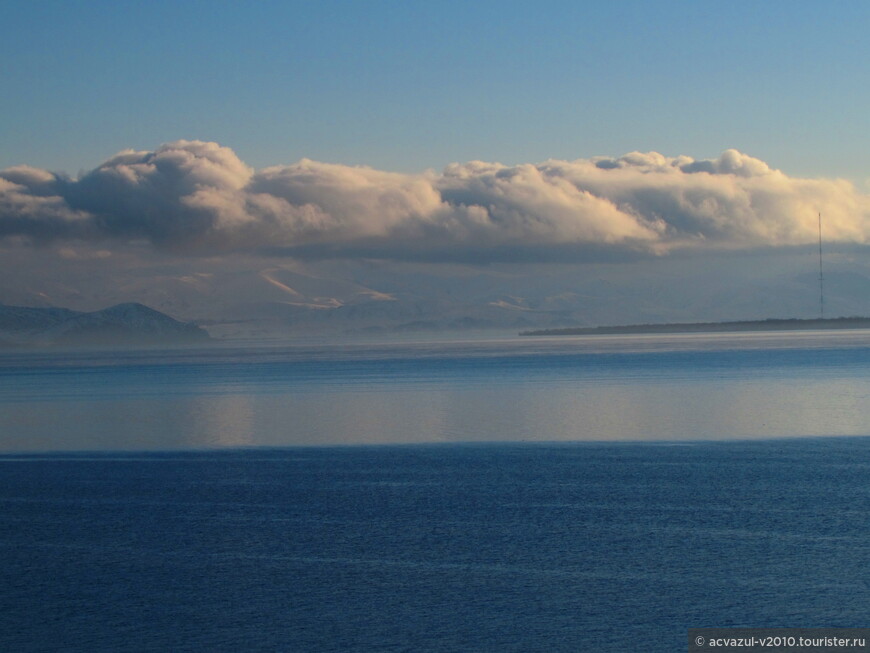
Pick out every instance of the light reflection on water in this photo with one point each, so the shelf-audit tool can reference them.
(609, 388)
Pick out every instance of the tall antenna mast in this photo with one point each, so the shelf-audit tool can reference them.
(821, 275)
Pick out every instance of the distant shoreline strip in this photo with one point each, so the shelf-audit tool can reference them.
(712, 327)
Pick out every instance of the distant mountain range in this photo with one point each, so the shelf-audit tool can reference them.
(128, 324)
(285, 300)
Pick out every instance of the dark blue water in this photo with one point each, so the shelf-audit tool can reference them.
(489, 547)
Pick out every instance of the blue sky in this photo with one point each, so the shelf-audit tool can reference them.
(407, 86)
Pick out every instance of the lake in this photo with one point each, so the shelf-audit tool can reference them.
(597, 493)
(690, 387)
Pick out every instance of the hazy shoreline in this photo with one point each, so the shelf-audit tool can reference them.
(771, 324)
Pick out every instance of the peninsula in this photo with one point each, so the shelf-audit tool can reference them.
(712, 327)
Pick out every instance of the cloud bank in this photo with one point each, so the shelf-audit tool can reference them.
(198, 197)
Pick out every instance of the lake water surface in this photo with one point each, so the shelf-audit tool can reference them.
(599, 495)
(604, 388)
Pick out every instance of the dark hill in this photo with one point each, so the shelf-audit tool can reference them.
(122, 325)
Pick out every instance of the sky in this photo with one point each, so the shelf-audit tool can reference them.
(444, 133)
(406, 86)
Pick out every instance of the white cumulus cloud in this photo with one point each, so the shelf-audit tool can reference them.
(193, 196)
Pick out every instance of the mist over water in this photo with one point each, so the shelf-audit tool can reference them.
(614, 388)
